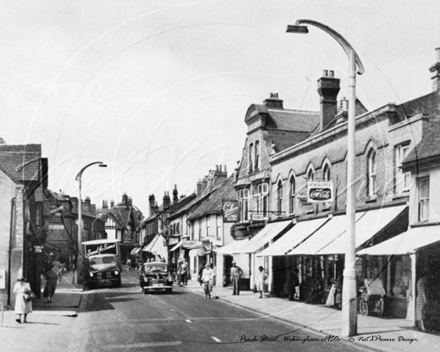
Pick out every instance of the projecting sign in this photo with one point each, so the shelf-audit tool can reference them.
(320, 191)
(56, 227)
(257, 217)
(230, 211)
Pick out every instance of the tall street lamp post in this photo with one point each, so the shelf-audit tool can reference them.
(80, 254)
(349, 302)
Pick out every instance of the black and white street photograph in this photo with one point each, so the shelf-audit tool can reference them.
(219, 175)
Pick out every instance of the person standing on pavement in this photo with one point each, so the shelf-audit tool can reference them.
(261, 277)
(292, 283)
(51, 284)
(421, 301)
(183, 272)
(208, 280)
(22, 306)
(236, 274)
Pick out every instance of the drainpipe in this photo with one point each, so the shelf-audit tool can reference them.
(11, 231)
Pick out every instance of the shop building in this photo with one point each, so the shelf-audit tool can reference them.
(23, 181)
(123, 222)
(316, 242)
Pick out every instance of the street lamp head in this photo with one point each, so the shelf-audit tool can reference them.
(297, 29)
(102, 165)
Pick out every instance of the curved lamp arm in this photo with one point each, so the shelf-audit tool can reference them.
(101, 164)
(300, 28)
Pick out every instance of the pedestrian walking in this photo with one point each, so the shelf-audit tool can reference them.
(421, 302)
(51, 284)
(183, 272)
(22, 306)
(236, 274)
(261, 278)
(208, 280)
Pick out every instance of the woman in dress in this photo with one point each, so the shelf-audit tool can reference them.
(22, 306)
(51, 284)
(421, 301)
(261, 277)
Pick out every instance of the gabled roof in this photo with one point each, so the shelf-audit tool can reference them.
(191, 205)
(213, 204)
(21, 162)
(429, 146)
(181, 203)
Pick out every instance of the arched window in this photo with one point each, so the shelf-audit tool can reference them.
(310, 174)
(371, 173)
(326, 173)
(280, 197)
(292, 195)
(257, 155)
(251, 159)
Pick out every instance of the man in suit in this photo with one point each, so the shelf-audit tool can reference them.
(236, 274)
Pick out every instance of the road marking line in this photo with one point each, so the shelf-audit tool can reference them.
(215, 339)
(188, 321)
(145, 344)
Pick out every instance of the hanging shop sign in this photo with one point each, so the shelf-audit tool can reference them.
(230, 210)
(55, 213)
(320, 191)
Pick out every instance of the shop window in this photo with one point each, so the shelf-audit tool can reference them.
(257, 154)
(371, 173)
(292, 192)
(401, 179)
(423, 191)
(400, 277)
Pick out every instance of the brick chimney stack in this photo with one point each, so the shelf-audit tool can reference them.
(435, 69)
(199, 188)
(152, 202)
(86, 205)
(273, 102)
(166, 201)
(175, 195)
(328, 89)
(112, 203)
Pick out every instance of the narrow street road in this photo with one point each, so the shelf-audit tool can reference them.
(127, 320)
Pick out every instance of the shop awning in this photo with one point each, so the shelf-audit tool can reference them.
(323, 236)
(135, 251)
(263, 237)
(293, 237)
(367, 227)
(157, 247)
(409, 242)
(176, 246)
(231, 248)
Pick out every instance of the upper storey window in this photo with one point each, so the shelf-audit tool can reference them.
(371, 173)
(251, 157)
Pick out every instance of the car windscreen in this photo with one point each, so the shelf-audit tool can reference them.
(148, 268)
(102, 260)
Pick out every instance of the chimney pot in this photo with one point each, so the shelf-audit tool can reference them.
(437, 52)
(324, 73)
(331, 73)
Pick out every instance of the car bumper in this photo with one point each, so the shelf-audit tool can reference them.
(157, 287)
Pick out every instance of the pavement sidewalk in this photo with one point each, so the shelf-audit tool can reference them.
(374, 332)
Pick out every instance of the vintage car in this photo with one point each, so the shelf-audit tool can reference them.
(103, 270)
(155, 276)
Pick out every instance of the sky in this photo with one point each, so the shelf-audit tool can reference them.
(158, 90)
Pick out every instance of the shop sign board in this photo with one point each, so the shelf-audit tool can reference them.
(258, 176)
(319, 191)
(192, 244)
(173, 240)
(230, 210)
(56, 227)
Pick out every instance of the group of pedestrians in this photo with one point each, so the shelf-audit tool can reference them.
(53, 272)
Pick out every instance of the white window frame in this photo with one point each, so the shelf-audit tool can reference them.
(292, 191)
(257, 155)
(371, 173)
(402, 179)
(279, 198)
(423, 198)
(218, 220)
